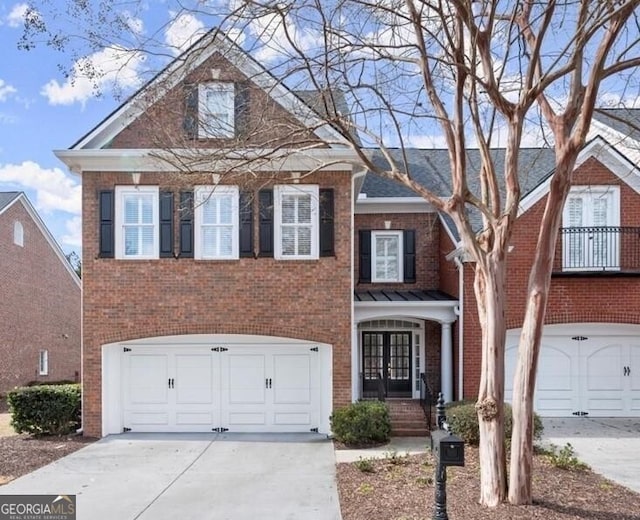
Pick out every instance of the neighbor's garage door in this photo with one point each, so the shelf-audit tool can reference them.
(239, 388)
(583, 371)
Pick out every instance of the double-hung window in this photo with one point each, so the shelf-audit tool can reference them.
(137, 216)
(216, 110)
(386, 256)
(216, 222)
(296, 221)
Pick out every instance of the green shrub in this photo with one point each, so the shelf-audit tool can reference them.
(362, 423)
(365, 465)
(47, 383)
(45, 410)
(463, 420)
(565, 458)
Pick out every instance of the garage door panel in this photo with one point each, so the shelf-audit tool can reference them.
(143, 420)
(604, 368)
(147, 379)
(193, 379)
(245, 379)
(195, 419)
(634, 366)
(292, 379)
(298, 419)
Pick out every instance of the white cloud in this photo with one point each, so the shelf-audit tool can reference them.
(135, 24)
(55, 191)
(183, 31)
(17, 15)
(6, 90)
(111, 68)
(73, 236)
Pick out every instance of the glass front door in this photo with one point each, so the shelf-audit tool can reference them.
(386, 361)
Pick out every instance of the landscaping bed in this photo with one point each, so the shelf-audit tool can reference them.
(402, 488)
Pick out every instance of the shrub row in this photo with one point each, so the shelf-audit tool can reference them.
(45, 409)
(463, 420)
(362, 423)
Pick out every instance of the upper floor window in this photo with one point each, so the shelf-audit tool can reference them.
(216, 222)
(591, 228)
(296, 221)
(216, 110)
(386, 257)
(18, 234)
(136, 224)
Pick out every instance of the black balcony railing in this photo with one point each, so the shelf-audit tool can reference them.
(604, 248)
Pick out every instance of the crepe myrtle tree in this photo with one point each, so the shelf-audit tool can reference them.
(392, 74)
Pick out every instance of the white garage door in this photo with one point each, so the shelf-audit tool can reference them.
(235, 388)
(583, 369)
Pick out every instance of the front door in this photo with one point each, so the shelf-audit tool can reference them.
(386, 355)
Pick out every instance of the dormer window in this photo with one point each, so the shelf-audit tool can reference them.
(216, 110)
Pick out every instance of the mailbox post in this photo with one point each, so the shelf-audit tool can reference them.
(448, 450)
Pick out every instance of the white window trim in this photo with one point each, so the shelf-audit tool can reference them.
(598, 189)
(43, 363)
(374, 277)
(203, 132)
(121, 191)
(200, 194)
(288, 189)
(18, 233)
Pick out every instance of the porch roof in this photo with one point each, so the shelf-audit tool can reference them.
(416, 303)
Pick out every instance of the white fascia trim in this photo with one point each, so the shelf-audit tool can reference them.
(377, 205)
(47, 235)
(608, 155)
(440, 311)
(154, 160)
(177, 70)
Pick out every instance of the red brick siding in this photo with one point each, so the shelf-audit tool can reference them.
(39, 306)
(571, 300)
(128, 299)
(427, 260)
(161, 126)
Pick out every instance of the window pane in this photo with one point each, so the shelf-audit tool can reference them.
(209, 239)
(288, 241)
(130, 209)
(304, 240)
(131, 240)
(209, 210)
(304, 209)
(225, 207)
(225, 240)
(147, 209)
(146, 237)
(288, 209)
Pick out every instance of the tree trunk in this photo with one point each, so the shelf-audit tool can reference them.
(490, 294)
(521, 464)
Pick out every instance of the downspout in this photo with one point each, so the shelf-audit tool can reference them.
(355, 369)
(460, 313)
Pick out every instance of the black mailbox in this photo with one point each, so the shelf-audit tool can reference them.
(448, 449)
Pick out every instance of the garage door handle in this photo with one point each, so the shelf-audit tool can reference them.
(170, 383)
(267, 383)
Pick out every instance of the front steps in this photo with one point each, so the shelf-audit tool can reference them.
(407, 418)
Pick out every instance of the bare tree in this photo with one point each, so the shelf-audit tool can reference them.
(466, 73)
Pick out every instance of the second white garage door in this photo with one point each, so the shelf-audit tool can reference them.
(235, 388)
(584, 369)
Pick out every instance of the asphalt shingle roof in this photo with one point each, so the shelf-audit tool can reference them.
(7, 197)
(623, 120)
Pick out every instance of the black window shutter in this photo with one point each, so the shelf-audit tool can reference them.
(246, 224)
(186, 224)
(106, 202)
(409, 256)
(242, 110)
(166, 224)
(365, 255)
(190, 123)
(326, 223)
(265, 198)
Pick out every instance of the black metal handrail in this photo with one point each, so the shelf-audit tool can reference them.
(427, 398)
(599, 248)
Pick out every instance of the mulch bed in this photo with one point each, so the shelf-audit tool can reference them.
(402, 488)
(21, 454)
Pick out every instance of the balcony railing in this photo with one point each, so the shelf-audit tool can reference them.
(597, 249)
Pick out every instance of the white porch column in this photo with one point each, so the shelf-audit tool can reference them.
(446, 361)
(355, 373)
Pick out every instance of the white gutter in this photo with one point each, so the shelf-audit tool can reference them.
(460, 266)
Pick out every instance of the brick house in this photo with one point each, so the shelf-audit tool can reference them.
(40, 303)
(259, 296)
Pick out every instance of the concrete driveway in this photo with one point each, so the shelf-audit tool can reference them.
(611, 446)
(195, 476)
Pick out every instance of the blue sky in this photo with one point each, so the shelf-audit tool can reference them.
(42, 111)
